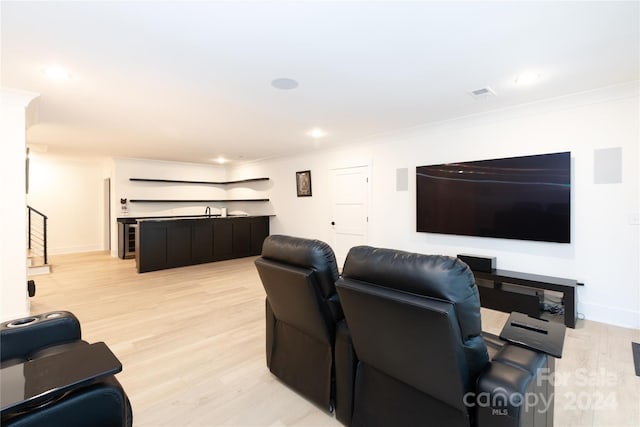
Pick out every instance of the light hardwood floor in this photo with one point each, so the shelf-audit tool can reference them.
(191, 341)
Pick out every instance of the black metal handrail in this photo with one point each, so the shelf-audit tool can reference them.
(44, 230)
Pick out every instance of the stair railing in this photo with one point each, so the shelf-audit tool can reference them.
(38, 236)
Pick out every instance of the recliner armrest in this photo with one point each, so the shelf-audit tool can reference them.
(102, 404)
(515, 390)
(535, 334)
(21, 337)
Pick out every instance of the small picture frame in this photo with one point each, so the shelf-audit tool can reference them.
(303, 183)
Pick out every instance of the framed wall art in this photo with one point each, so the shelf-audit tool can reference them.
(303, 183)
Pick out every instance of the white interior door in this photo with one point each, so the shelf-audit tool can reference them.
(349, 218)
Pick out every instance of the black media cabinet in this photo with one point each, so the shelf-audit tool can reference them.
(524, 295)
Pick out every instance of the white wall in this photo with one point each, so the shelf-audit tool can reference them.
(303, 216)
(604, 253)
(13, 246)
(69, 190)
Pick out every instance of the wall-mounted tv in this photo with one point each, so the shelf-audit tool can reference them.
(525, 198)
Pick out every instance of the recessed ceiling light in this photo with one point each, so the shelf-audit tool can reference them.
(316, 133)
(57, 74)
(221, 160)
(527, 78)
(284, 83)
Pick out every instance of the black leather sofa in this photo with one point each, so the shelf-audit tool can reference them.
(102, 403)
(412, 352)
(302, 310)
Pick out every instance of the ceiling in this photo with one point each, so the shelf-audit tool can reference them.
(191, 81)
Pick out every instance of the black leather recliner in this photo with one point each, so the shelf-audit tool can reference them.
(413, 353)
(102, 403)
(302, 310)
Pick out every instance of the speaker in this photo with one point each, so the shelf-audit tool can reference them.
(607, 166)
(478, 263)
(402, 179)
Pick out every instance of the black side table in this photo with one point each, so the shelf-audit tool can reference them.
(535, 334)
(36, 381)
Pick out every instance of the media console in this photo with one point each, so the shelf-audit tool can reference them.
(513, 291)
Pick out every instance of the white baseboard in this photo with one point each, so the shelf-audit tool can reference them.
(611, 315)
(75, 249)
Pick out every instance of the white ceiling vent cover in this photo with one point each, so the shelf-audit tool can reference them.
(482, 93)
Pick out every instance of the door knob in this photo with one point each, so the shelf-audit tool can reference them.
(333, 223)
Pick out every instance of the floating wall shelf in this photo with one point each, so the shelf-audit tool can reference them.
(174, 181)
(195, 201)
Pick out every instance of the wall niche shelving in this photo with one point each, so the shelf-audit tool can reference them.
(177, 181)
(195, 201)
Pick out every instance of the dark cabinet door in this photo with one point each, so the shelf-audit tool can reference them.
(202, 241)
(179, 247)
(259, 232)
(222, 239)
(152, 246)
(168, 244)
(241, 237)
(121, 240)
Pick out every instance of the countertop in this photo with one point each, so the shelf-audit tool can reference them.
(133, 220)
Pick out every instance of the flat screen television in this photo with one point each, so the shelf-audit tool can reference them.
(525, 198)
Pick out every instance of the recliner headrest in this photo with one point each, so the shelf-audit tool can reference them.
(306, 253)
(434, 276)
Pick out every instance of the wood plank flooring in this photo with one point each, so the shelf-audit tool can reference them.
(191, 341)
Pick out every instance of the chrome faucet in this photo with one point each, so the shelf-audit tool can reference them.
(207, 211)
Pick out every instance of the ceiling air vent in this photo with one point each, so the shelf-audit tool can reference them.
(482, 93)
